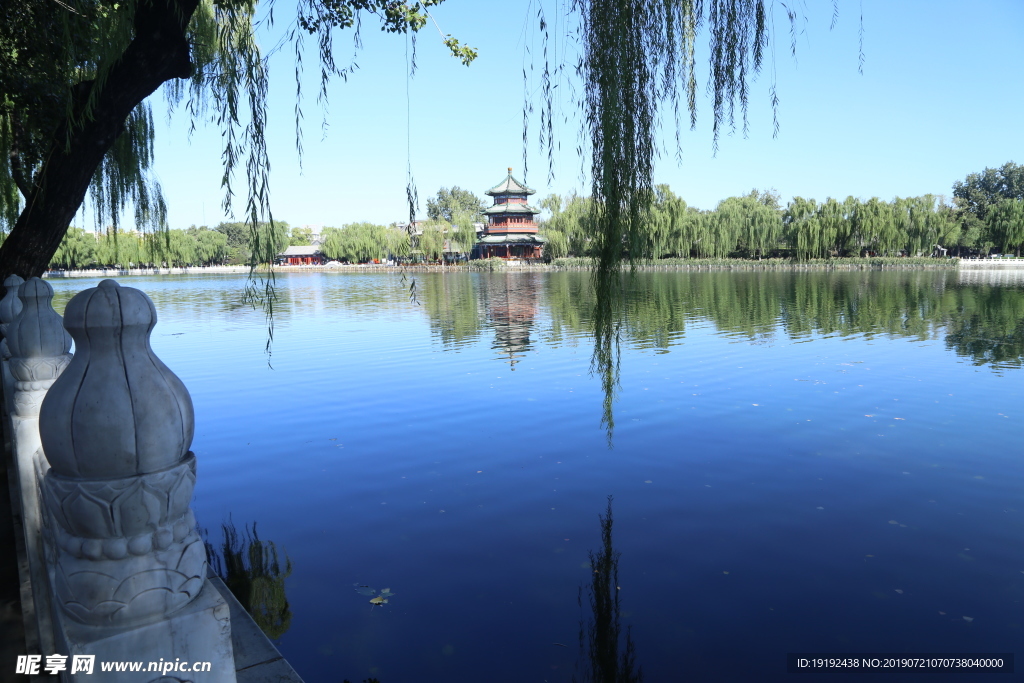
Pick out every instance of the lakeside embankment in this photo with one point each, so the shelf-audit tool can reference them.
(561, 264)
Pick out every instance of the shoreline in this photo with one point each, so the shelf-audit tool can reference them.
(576, 264)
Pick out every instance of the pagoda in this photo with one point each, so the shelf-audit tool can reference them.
(510, 231)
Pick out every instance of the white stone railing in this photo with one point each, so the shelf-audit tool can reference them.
(100, 448)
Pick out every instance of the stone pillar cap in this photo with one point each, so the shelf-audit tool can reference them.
(37, 332)
(117, 410)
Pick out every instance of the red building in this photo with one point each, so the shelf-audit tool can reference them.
(302, 256)
(510, 231)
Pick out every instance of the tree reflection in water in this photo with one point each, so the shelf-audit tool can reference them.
(600, 659)
(251, 569)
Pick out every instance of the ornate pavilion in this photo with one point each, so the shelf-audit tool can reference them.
(510, 231)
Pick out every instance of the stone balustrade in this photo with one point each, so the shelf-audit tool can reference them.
(10, 307)
(100, 448)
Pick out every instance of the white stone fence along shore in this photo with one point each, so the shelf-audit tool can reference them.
(119, 272)
(113, 566)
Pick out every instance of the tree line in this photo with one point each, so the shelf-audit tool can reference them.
(227, 243)
(985, 216)
(232, 243)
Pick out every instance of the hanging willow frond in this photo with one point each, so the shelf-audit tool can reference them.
(639, 56)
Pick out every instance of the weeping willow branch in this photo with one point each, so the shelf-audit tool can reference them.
(639, 56)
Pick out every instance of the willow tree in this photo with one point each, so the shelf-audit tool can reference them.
(1005, 222)
(639, 57)
(74, 78)
(802, 228)
(356, 242)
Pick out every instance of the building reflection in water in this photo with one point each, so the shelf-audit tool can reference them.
(511, 305)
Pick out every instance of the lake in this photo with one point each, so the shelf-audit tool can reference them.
(799, 462)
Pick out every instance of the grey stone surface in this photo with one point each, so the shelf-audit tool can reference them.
(117, 410)
(110, 561)
(201, 632)
(37, 331)
(39, 353)
(256, 658)
(10, 305)
(116, 428)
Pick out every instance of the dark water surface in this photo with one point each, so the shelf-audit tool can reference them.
(801, 462)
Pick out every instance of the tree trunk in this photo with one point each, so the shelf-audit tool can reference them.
(158, 52)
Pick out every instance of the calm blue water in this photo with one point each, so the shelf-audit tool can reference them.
(800, 462)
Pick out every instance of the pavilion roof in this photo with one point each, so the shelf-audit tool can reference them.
(510, 208)
(510, 186)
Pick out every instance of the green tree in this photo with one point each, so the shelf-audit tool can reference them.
(301, 237)
(76, 250)
(1005, 222)
(237, 234)
(979, 192)
(73, 115)
(462, 237)
(269, 238)
(239, 239)
(211, 246)
(356, 242)
(118, 249)
(431, 240)
(447, 204)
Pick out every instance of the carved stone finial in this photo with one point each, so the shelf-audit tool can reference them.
(116, 428)
(117, 410)
(36, 333)
(38, 346)
(10, 305)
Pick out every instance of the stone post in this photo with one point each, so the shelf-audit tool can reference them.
(10, 307)
(129, 570)
(39, 349)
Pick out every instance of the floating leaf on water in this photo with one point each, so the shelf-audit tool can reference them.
(386, 593)
(377, 600)
(364, 590)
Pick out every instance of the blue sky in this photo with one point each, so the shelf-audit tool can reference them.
(940, 97)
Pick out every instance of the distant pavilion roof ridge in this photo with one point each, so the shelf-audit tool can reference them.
(510, 186)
